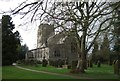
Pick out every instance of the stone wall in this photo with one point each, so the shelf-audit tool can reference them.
(54, 47)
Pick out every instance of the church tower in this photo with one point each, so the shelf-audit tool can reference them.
(44, 32)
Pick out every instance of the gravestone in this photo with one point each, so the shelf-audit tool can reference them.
(98, 63)
(116, 67)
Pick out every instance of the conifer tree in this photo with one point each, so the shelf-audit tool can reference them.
(10, 41)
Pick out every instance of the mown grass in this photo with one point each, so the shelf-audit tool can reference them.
(11, 72)
(103, 72)
(48, 69)
(0, 72)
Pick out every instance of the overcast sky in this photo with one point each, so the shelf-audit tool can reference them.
(28, 32)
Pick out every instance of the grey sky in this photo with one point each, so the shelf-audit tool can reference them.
(29, 31)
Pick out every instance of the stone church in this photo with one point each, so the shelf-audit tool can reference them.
(53, 46)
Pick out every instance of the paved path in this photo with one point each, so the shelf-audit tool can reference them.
(75, 77)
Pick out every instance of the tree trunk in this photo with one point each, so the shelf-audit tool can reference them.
(82, 59)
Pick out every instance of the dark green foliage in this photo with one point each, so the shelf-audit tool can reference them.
(74, 64)
(44, 62)
(69, 66)
(57, 63)
(53, 63)
(27, 62)
(39, 62)
(60, 63)
(90, 64)
(23, 50)
(95, 52)
(102, 54)
(105, 49)
(10, 41)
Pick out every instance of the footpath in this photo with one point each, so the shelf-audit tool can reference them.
(74, 77)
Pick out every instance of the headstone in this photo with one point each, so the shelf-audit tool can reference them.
(65, 66)
(98, 63)
(116, 67)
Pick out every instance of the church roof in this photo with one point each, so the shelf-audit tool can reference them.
(57, 39)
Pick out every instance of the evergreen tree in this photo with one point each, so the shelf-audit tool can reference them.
(95, 52)
(10, 41)
(23, 50)
(105, 49)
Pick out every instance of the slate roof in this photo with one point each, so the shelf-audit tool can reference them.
(57, 39)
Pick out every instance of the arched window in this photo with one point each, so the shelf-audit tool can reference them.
(57, 53)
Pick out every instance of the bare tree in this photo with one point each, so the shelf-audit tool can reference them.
(85, 19)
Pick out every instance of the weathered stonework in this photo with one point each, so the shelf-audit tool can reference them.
(53, 46)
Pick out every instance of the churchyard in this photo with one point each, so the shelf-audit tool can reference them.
(103, 72)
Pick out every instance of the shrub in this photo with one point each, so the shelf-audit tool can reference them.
(55, 63)
(90, 63)
(69, 66)
(44, 63)
(60, 63)
(51, 62)
(74, 64)
(39, 62)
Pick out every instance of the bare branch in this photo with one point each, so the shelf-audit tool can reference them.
(24, 7)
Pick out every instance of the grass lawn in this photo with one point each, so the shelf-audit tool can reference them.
(11, 72)
(103, 72)
(0, 72)
(48, 69)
